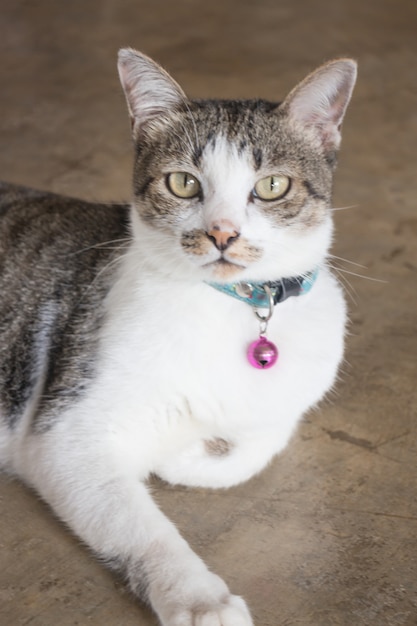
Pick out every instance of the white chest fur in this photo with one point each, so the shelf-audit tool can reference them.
(175, 374)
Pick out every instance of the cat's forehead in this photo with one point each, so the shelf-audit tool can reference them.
(243, 122)
(223, 155)
(249, 131)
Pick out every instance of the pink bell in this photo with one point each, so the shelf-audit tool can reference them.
(262, 353)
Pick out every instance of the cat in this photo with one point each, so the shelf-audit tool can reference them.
(182, 335)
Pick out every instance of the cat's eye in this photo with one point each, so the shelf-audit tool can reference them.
(183, 185)
(272, 187)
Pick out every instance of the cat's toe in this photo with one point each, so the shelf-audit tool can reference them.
(231, 612)
(234, 613)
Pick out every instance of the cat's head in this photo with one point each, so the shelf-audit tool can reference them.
(234, 190)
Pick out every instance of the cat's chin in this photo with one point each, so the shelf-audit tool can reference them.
(224, 270)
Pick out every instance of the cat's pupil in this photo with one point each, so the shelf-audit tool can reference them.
(187, 180)
(272, 187)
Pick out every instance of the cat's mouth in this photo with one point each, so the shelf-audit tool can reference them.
(222, 262)
(222, 268)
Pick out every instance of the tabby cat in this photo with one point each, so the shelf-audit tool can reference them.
(183, 334)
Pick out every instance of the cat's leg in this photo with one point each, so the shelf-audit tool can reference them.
(115, 515)
(218, 463)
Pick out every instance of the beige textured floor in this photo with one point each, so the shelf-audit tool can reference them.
(327, 536)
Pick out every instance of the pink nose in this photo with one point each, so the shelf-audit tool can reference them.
(223, 234)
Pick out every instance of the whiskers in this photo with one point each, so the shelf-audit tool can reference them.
(125, 251)
(337, 265)
(343, 268)
(344, 208)
(113, 244)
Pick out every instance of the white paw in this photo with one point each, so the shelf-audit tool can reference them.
(231, 612)
(203, 600)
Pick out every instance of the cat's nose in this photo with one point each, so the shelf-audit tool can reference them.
(222, 234)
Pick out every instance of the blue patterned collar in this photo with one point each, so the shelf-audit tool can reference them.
(254, 294)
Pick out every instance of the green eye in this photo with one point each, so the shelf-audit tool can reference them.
(272, 187)
(183, 185)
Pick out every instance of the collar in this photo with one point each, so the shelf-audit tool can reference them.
(254, 293)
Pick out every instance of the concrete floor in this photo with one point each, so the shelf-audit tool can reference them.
(327, 536)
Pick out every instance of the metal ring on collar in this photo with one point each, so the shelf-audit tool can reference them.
(267, 317)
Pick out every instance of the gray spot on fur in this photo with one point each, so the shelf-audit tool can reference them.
(217, 447)
(257, 157)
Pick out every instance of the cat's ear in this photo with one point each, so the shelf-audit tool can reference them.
(319, 102)
(150, 91)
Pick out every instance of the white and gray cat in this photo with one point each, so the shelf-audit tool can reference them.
(182, 335)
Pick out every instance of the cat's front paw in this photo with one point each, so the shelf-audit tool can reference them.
(232, 611)
(202, 600)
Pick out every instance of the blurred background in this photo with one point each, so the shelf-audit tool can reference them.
(326, 536)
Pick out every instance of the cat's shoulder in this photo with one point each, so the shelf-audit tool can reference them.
(35, 212)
